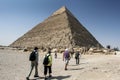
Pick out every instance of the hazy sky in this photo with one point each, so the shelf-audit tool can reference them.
(100, 17)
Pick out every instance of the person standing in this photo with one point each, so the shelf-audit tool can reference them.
(34, 57)
(47, 62)
(66, 56)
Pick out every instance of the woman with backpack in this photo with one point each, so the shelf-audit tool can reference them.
(47, 62)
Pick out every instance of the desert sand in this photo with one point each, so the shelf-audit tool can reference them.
(15, 65)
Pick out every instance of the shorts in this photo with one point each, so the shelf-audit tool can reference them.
(66, 61)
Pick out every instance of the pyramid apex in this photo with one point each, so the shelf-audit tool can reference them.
(59, 11)
(63, 7)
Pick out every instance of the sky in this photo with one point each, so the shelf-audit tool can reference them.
(100, 17)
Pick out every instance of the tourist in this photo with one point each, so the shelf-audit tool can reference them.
(34, 63)
(47, 62)
(72, 52)
(77, 56)
(66, 56)
(55, 54)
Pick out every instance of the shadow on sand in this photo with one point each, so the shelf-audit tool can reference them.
(35, 78)
(54, 77)
(58, 77)
(78, 64)
(76, 69)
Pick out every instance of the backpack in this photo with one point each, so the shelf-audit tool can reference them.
(77, 55)
(32, 56)
(46, 60)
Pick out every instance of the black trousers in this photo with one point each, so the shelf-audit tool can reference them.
(46, 68)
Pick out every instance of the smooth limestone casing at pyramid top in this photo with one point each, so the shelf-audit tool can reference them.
(61, 29)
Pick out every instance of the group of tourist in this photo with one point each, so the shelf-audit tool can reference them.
(47, 62)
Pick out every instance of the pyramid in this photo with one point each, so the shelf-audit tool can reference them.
(60, 30)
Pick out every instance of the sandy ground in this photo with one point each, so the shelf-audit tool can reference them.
(15, 65)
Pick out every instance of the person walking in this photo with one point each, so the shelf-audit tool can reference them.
(55, 54)
(77, 56)
(72, 52)
(47, 62)
(34, 57)
(66, 56)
